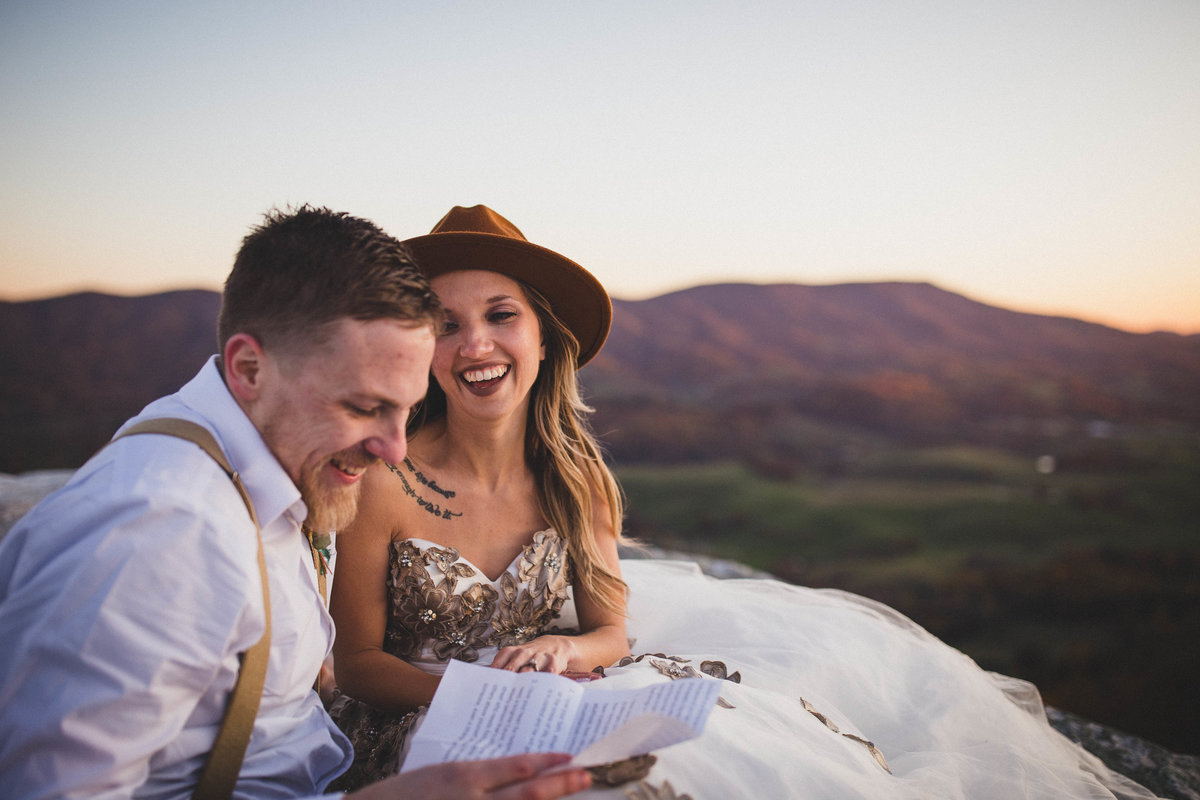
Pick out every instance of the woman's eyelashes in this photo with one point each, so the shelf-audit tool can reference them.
(495, 317)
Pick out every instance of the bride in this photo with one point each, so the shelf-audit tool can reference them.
(495, 541)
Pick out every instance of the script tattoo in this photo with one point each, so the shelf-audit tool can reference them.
(432, 508)
(420, 476)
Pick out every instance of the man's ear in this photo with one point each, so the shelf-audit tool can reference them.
(244, 360)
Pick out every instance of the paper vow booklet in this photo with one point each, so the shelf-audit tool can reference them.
(479, 712)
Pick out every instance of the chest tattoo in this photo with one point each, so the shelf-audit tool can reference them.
(431, 507)
(420, 476)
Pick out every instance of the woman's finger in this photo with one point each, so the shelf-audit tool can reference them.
(517, 659)
(528, 659)
(506, 658)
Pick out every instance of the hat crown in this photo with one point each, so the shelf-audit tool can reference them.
(477, 238)
(477, 219)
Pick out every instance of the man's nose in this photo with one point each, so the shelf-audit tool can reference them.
(390, 442)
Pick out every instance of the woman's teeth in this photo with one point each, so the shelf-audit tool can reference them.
(485, 374)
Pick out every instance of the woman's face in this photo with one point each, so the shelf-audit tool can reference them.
(490, 348)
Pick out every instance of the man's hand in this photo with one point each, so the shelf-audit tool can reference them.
(512, 778)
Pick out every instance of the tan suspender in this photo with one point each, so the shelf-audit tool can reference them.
(225, 761)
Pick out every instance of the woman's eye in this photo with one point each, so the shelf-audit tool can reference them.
(449, 327)
(502, 316)
(362, 412)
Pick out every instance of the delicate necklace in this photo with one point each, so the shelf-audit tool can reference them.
(431, 507)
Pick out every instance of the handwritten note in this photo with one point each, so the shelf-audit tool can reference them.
(479, 712)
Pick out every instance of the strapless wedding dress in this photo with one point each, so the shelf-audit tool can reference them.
(825, 694)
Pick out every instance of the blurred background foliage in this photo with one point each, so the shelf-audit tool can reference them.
(1075, 565)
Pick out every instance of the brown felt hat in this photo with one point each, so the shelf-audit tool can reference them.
(479, 238)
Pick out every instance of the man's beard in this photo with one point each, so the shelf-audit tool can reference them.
(332, 507)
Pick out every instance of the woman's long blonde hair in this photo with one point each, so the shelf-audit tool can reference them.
(564, 455)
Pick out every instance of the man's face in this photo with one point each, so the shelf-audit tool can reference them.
(330, 412)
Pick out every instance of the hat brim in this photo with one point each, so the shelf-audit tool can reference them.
(576, 297)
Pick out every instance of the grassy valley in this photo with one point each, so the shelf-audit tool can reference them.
(1084, 579)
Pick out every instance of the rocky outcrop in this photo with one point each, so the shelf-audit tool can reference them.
(1167, 774)
(19, 493)
(716, 567)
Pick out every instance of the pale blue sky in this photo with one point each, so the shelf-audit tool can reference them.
(1041, 156)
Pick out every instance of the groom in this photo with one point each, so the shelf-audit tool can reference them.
(128, 597)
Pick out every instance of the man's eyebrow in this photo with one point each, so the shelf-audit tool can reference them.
(367, 399)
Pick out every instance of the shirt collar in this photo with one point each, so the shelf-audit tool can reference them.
(272, 491)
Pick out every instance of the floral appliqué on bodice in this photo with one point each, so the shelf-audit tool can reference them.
(443, 606)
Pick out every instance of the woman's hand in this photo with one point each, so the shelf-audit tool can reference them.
(543, 654)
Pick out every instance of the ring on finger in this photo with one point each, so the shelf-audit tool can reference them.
(528, 664)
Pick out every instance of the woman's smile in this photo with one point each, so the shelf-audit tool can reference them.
(490, 348)
(480, 378)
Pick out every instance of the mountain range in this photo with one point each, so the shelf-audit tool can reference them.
(764, 370)
(727, 369)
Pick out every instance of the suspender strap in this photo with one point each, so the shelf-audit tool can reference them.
(229, 749)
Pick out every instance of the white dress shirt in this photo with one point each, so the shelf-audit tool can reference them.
(125, 599)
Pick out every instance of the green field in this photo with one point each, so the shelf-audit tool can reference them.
(1084, 579)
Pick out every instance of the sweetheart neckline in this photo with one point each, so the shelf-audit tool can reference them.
(472, 564)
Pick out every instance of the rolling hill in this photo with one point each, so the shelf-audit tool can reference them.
(685, 375)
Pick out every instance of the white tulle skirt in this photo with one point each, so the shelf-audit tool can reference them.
(822, 673)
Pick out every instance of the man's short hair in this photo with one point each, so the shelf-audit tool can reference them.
(304, 268)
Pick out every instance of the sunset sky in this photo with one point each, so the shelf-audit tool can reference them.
(1040, 156)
